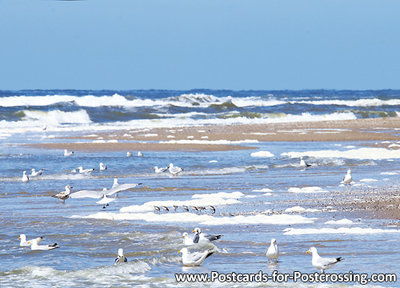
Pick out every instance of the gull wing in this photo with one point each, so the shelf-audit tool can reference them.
(120, 187)
(87, 194)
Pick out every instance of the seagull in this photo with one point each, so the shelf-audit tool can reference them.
(64, 195)
(128, 154)
(85, 171)
(35, 245)
(105, 201)
(174, 170)
(347, 178)
(25, 177)
(102, 166)
(187, 239)
(204, 237)
(195, 258)
(121, 187)
(120, 258)
(186, 208)
(68, 153)
(115, 183)
(175, 207)
(160, 170)
(165, 208)
(157, 209)
(139, 154)
(24, 243)
(320, 262)
(35, 173)
(304, 164)
(97, 194)
(273, 251)
(212, 208)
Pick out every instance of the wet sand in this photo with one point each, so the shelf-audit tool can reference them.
(191, 138)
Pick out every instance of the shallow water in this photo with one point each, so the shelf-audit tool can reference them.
(249, 212)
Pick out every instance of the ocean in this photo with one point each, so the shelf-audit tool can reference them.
(258, 194)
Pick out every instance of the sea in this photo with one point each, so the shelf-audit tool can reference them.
(258, 194)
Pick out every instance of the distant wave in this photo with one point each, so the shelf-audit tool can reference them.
(185, 100)
(57, 116)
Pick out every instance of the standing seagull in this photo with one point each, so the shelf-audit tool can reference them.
(202, 237)
(25, 177)
(347, 178)
(273, 251)
(322, 263)
(35, 245)
(102, 166)
(174, 170)
(120, 258)
(195, 258)
(304, 164)
(64, 195)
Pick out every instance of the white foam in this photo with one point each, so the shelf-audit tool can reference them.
(361, 154)
(299, 209)
(311, 189)
(262, 190)
(341, 230)
(368, 180)
(343, 221)
(358, 103)
(282, 219)
(215, 199)
(262, 154)
(389, 173)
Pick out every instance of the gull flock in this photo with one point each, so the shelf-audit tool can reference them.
(198, 246)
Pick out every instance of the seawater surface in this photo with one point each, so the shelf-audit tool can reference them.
(258, 194)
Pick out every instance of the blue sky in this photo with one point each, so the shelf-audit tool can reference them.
(216, 44)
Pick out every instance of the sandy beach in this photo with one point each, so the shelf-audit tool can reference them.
(220, 138)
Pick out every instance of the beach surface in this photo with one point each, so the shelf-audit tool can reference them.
(383, 204)
(222, 137)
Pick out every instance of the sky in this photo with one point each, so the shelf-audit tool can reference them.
(190, 44)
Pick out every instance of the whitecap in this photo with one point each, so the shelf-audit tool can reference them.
(343, 221)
